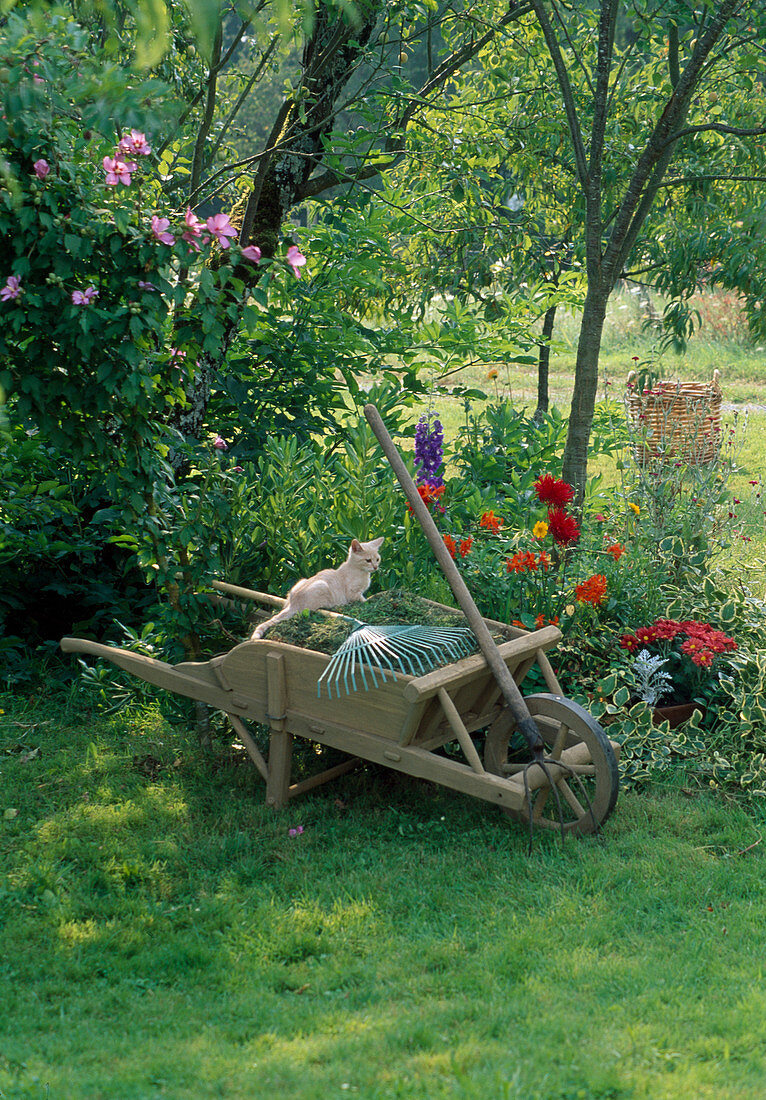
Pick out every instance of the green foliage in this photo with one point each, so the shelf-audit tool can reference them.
(109, 319)
(505, 448)
(62, 572)
(296, 509)
(680, 484)
(722, 744)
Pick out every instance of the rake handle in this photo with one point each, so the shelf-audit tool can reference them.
(505, 680)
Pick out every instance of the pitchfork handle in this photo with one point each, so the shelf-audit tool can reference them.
(505, 680)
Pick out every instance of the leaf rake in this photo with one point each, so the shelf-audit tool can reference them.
(385, 650)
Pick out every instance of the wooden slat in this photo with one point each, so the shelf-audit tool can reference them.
(464, 740)
(280, 741)
(243, 733)
(193, 682)
(380, 710)
(249, 594)
(417, 762)
(460, 672)
(548, 674)
(324, 777)
(411, 723)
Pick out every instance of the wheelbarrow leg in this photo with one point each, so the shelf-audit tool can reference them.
(280, 763)
(280, 739)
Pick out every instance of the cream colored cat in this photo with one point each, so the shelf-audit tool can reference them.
(330, 587)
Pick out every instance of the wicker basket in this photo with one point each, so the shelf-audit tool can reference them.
(675, 421)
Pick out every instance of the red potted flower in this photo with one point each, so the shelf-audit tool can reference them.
(676, 665)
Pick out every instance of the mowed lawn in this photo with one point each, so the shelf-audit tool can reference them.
(165, 936)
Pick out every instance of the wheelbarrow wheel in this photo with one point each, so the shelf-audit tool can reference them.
(586, 778)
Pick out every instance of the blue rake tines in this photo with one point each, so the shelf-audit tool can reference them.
(375, 649)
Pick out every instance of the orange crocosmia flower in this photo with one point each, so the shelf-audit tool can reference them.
(616, 551)
(465, 546)
(544, 561)
(491, 522)
(592, 591)
(429, 494)
(540, 621)
(449, 542)
(522, 562)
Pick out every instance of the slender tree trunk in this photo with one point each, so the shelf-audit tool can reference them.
(543, 364)
(585, 388)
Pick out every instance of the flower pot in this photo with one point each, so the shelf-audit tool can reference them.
(676, 714)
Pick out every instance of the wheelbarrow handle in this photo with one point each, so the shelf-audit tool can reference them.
(506, 683)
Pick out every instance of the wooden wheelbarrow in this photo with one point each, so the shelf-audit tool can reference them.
(406, 722)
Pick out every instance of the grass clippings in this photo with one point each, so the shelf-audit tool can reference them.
(327, 633)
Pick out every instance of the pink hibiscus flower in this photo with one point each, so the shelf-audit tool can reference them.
(117, 171)
(134, 143)
(193, 228)
(84, 297)
(12, 289)
(222, 229)
(295, 259)
(160, 230)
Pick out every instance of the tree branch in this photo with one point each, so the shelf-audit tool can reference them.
(689, 181)
(207, 117)
(717, 127)
(562, 75)
(241, 98)
(657, 154)
(451, 64)
(214, 69)
(606, 29)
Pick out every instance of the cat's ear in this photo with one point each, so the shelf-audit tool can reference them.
(356, 546)
(377, 543)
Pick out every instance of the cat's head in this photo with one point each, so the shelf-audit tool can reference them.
(366, 555)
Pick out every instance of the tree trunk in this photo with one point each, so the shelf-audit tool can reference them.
(543, 363)
(585, 389)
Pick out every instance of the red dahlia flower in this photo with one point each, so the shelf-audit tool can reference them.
(553, 490)
(563, 527)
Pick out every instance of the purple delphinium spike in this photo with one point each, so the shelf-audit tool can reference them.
(429, 452)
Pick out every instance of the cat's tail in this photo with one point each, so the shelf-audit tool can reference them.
(260, 630)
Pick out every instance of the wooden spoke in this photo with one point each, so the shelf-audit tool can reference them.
(586, 775)
(560, 742)
(538, 804)
(571, 797)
